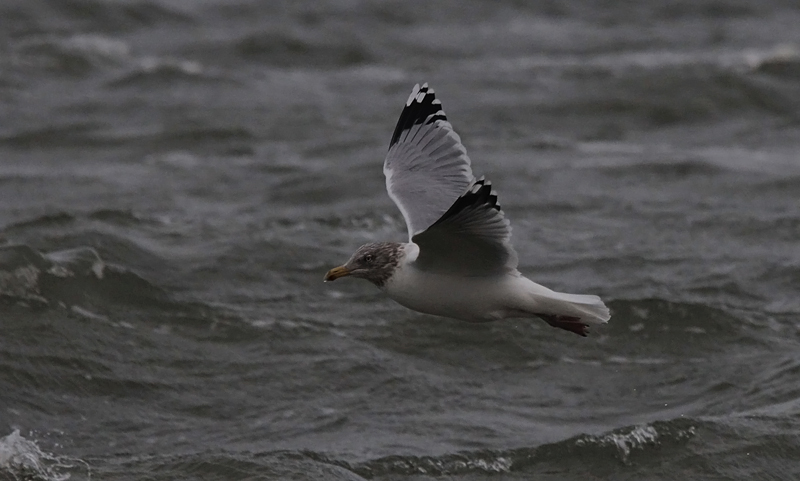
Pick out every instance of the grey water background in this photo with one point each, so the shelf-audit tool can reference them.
(176, 178)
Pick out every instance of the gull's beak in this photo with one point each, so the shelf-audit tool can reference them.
(336, 273)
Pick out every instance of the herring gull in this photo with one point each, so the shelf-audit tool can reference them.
(459, 261)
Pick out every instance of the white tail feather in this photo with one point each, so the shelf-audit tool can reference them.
(590, 309)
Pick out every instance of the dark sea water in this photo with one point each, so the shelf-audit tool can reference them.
(176, 177)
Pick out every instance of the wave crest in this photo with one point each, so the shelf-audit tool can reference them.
(23, 460)
(68, 277)
(618, 445)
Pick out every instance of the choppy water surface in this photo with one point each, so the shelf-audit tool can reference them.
(175, 179)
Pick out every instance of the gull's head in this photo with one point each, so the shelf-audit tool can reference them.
(374, 262)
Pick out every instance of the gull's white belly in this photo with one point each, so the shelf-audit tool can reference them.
(466, 298)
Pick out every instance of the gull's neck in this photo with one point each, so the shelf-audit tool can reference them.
(409, 253)
(406, 254)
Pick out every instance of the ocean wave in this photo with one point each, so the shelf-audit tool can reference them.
(227, 465)
(732, 447)
(80, 55)
(63, 135)
(22, 459)
(620, 446)
(782, 61)
(93, 15)
(47, 220)
(86, 134)
(61, 218)
(643, 331)
(636, 89)
(288, 48)
(156, 72)
(75, 55)
(606, 452)
(658, 98)
(668, 170)
(70, 277)
(660, 317)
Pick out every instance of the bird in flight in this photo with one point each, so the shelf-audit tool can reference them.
(458, 261)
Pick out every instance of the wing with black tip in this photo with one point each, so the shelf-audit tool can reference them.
(427, 167)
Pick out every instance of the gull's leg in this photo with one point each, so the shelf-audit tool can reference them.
(568, 323)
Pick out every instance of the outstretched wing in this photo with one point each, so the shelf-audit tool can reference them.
(472, 238)
(426, 168)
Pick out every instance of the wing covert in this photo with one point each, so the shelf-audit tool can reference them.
(472, 238)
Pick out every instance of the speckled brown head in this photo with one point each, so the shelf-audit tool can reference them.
(374, 262)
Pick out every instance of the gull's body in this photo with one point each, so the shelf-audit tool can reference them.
(488, 299)
(479, 298)
(459, 261)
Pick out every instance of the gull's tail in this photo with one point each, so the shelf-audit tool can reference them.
(590, 309)
(573, 312)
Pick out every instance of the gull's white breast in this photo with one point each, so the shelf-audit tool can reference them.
(467, 298)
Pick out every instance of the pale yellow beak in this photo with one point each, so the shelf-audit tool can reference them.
(336, 273)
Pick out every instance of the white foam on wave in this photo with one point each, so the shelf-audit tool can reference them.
(635, 438)
(22, 267)
(21, 283)
(22, 459)
(99, 46)
(99, 50)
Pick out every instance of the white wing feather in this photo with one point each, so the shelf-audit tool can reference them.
(427, 167)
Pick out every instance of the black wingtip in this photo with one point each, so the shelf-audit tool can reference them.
(421, 106)
(480, 193)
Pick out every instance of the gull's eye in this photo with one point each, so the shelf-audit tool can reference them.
(369, 258)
